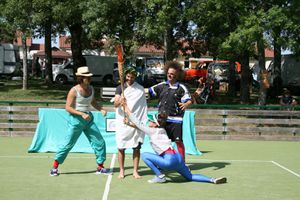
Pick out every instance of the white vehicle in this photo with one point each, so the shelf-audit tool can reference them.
(290, 71)
(9, 59)
(101, 67)
(153, 71)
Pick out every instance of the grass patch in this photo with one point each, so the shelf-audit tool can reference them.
(38, 90)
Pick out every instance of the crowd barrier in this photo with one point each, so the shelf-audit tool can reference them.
(211, 121)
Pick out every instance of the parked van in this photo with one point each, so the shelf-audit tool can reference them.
(101, 67)
(9, 59)
(290, 71)
(152, 70)
(289, 76)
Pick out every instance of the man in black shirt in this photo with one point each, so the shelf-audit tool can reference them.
(174, 98)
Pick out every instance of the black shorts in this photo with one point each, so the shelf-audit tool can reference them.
(138, 146)
(174, 131)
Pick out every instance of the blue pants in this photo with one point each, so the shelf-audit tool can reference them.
(77, 125)
(172, 162)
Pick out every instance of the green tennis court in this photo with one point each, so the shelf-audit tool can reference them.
(255, 170)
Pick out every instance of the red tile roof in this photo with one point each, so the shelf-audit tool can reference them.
(149, 49)
(55, 53)
(64, 42)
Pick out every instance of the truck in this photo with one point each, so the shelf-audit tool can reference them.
(289, 74)
(100, 66)
(152, 70)
(9, 60)
(196, 68)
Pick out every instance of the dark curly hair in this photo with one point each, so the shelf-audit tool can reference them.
(177, 66)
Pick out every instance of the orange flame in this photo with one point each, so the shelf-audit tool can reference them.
(120, 53)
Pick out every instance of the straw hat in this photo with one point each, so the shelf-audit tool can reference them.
(83, 71)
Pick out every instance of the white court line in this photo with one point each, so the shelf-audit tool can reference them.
(106, 190)
(285, 168)
(198, 159)
(107, 185)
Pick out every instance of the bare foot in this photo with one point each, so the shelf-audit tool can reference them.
(121, 175)
(136, 175)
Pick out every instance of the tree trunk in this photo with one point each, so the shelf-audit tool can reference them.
(76, 46)
(245, 78)
(48, 53)
(25, 73)
(262, 99)
(165, 46)
(277, 82)
(232, 79)
(170, 42)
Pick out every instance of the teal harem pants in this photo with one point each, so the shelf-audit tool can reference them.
(77, 125)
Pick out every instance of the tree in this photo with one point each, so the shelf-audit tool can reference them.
(6, 32)
(294, 30)
(18, 14)
(163, 24)
(275, 32)
(46, 26)
(214, 21)
(69, 14)
(278, 24)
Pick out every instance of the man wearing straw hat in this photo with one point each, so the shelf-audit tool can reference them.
(80, 99)
(126, 136)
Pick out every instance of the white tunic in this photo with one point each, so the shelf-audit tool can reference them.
(126, 136)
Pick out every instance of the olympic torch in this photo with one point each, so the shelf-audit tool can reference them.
(121, 69)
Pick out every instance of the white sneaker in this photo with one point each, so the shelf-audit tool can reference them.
(54, 172)
(158, 179)
(103, 171)
(220, 180)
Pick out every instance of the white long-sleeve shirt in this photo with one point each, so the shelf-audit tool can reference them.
(159, 139)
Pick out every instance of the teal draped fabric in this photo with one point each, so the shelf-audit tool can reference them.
(53, 125)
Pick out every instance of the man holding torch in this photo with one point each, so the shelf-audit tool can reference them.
(127, 136)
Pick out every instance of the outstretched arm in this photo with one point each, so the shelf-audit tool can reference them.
(140, 125)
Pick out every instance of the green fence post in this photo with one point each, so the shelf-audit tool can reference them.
(10, 118)
(224, 124)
